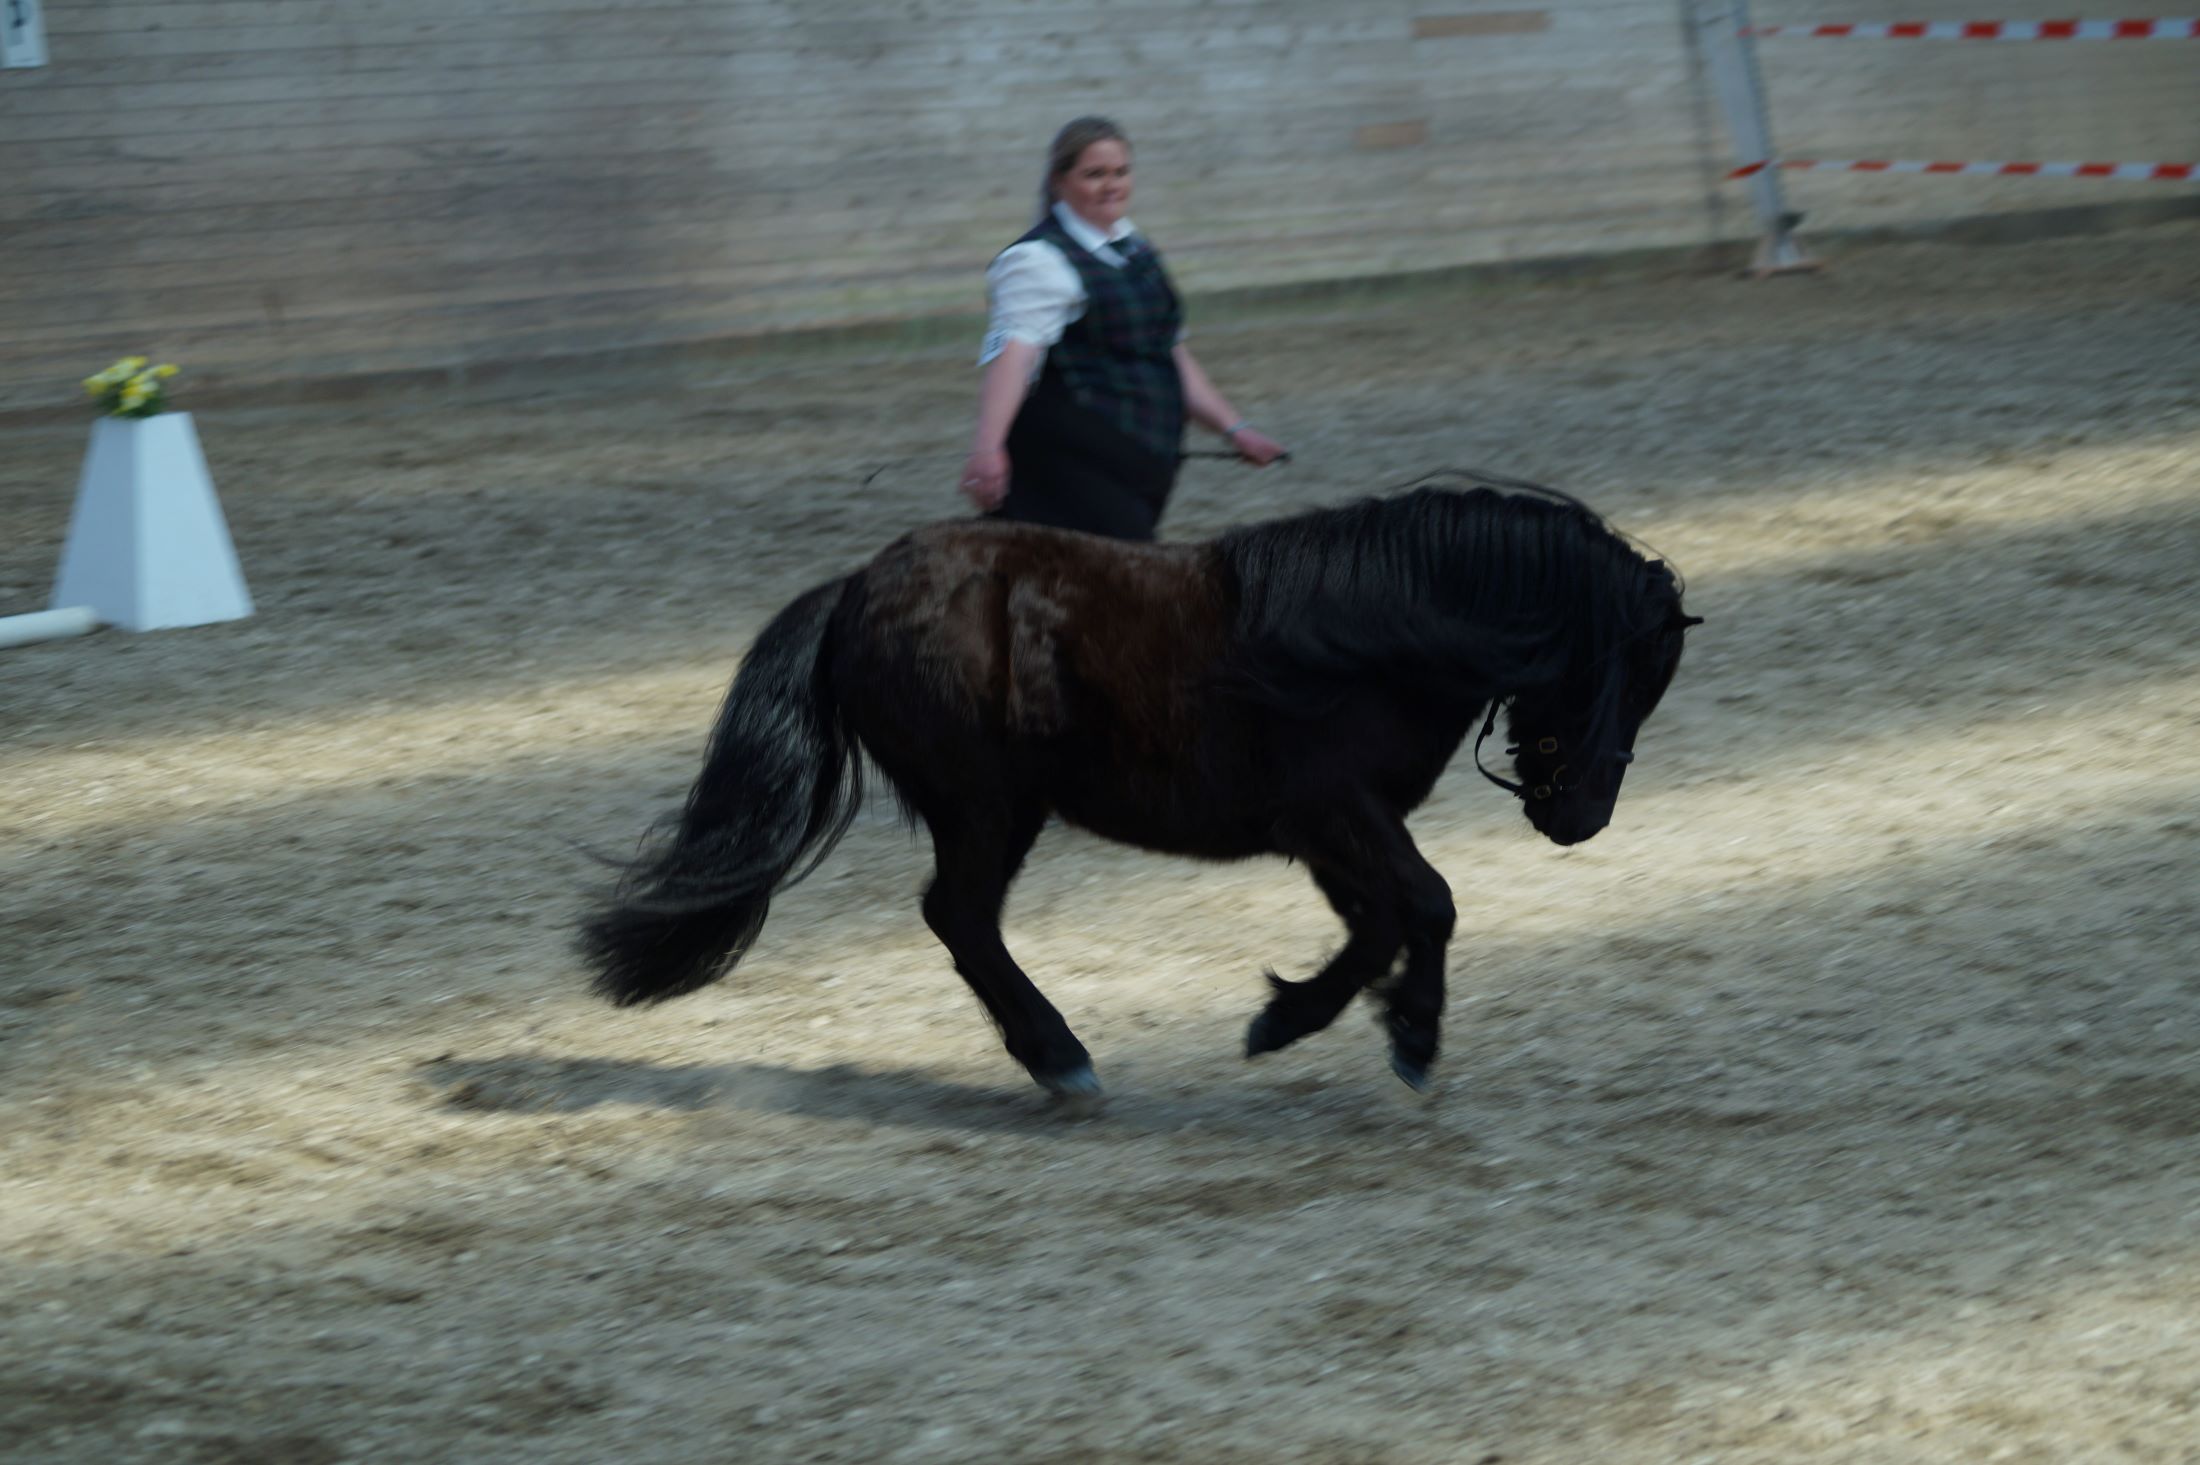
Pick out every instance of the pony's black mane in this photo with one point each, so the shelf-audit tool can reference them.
(1468, 594)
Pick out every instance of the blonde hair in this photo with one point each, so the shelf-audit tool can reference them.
(1068, 146)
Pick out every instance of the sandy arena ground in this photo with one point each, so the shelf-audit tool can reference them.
(1840, 1103)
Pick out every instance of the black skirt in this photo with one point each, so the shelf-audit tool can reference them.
(1069, 468)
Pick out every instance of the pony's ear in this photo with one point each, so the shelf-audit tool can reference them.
(1682, 623)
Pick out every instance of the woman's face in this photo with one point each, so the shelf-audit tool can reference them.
(1098, 185)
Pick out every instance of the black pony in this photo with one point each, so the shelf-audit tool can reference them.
(1294, 687)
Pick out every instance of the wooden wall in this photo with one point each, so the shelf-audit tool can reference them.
(267, 189)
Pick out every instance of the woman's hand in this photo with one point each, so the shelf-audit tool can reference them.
(1255, 447)
(1210, 409)
(985, 478)
(1000, 395)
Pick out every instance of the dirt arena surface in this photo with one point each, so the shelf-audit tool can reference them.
(1839, 1103)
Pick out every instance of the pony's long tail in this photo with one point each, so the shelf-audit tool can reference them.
(782, 781)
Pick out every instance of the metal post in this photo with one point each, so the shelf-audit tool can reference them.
(1722, 30)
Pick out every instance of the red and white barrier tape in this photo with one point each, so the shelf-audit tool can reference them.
(1998, 30)
(2137, 172)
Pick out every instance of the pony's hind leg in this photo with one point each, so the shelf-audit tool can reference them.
(976, 857)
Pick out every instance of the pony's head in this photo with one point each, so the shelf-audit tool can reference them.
(1573, 739)
(1500, 594)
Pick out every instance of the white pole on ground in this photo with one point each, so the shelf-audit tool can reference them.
(1722, 30)
(47, 625)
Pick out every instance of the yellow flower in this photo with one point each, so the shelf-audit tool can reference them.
(129, 384)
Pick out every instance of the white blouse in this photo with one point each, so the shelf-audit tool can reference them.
(1032, 290)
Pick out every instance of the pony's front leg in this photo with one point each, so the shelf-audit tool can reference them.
(1389, 896)
(1414, 1009)
(1297, 1008)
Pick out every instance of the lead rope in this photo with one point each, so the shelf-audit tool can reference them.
(1217, 454)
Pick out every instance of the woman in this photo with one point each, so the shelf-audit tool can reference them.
(1087, 379)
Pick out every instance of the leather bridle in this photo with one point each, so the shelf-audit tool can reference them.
(1548, 746)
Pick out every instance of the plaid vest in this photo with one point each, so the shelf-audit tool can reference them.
(1114, 360)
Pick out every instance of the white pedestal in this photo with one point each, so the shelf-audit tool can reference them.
(148, 548)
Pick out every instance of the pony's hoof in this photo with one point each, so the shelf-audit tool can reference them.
(1080, 1081)
(1269, 1032)
(1413, 1075)
(1076, 1092)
